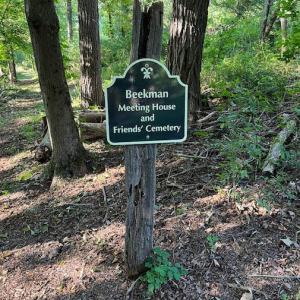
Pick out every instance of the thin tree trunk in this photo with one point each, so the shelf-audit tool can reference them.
(270, 25)
(140, 160)
(111, 31)
(267, 10)
(12, 69)
(284, 28)
(89, 44)
(68, 157)
(187, 32)
(70, 20)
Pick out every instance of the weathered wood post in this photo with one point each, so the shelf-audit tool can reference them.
(140, 159)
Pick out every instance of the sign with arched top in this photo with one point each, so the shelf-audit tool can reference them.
(147, 105)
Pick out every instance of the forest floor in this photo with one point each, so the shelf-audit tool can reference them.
(67, 242)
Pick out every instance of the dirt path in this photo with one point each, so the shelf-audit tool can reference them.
(68, 243)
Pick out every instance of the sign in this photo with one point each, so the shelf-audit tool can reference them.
(146, 106)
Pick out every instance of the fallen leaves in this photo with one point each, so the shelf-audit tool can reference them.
(289, 243)
(247, 296)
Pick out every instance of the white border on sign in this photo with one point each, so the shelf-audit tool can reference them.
(145, 142)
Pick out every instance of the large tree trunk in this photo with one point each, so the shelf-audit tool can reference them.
(68, 157)
(187, 34)
(70, 20)
(140, 160)
(89, 44)
(12, 69)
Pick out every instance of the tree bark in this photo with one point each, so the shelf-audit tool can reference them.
(70, 20)
(187, 32)
(43, 151)
(284, 28)
(68, 157)
(270, 25)
(89, 44)
(267, 10)
(1, 72)
(140, 160)
(12, 69)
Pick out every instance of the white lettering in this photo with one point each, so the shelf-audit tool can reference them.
(146, 94)
(128, 94)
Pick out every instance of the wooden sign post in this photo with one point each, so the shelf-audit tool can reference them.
(144, 107)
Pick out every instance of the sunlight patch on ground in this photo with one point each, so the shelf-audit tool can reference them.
(114, 230)
(26, 104)
(224, 227)
(6, 164)
(20, 156)
(210, 200)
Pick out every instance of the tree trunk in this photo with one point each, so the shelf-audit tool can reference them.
(1, 72)
(68, 157)
(70, 20)
(89, 44)
(111, 31)
(12, 69)
(140, 160)
(269, 26)
(267, 10)
(284, 28)
(187, 32)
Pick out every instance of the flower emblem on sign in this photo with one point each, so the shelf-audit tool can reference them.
(147, 71)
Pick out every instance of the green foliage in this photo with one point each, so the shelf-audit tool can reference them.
(40, 228)
(115, 57)
(14, 34)
(279, 187)
(212, 242)
(238, 8)
(161, 270)
(29, 132)
(284, 296)
(201, 134)
(250, 83)
(25, 175)
(263, 203)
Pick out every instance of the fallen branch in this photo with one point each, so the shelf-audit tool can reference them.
(129, 291)
(92, 131)
(208, 117)
(292, 277)
(91, 116)
(106, 204)
(185, 171)
(276, 148)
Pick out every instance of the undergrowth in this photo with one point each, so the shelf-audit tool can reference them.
(256, 91)
(160, 270)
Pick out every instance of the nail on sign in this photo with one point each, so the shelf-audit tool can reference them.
(146, 106)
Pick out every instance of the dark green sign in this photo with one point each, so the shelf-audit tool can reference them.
(146, 106)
